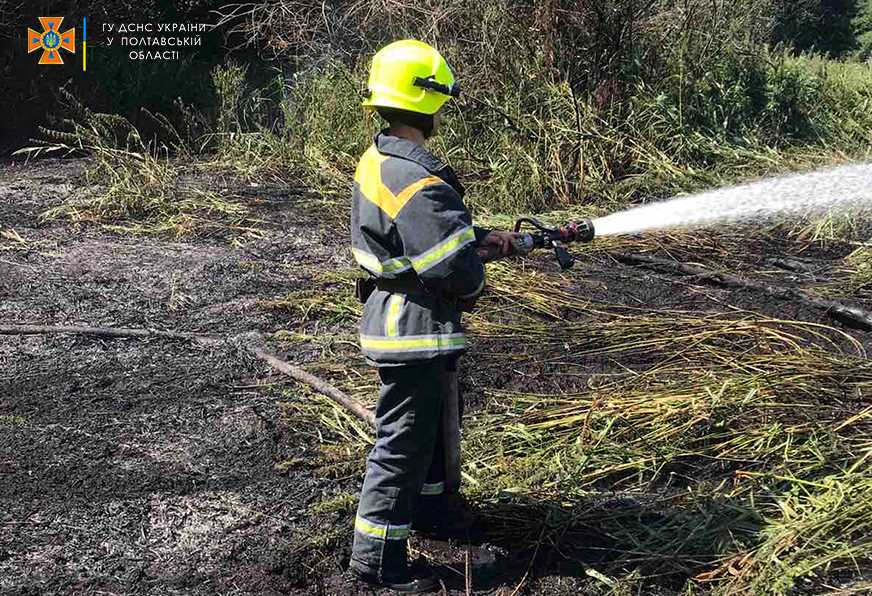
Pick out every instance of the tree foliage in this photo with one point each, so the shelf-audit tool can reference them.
(825, 26)
(863, 30)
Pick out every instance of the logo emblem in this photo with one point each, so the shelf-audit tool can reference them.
(51, 41)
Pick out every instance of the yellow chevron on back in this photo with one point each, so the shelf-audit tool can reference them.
(368, 178)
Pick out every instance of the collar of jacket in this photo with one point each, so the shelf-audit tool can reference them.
(405, 149)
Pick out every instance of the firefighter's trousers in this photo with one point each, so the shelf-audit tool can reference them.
(406, 462)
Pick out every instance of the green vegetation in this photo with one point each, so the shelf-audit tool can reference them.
(7, 420)
(636, 103)
(703, 102)
(344, 503)
(863, 29)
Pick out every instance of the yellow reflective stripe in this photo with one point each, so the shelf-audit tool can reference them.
(434, 488)
(381, 531)
(413, 343)
(408, 192)
(393, 317)
(387, 201)
(443, 250)
(392, 204)
(396, 265)
(371, 262)
(366, 260)
(368, 174)
(368, 177)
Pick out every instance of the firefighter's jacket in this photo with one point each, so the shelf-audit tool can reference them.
(409, 224)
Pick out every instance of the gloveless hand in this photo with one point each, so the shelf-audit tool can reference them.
(497, 244)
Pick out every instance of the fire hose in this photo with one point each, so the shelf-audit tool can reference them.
(544, 236)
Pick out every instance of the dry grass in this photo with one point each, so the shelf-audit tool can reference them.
(725, 452)
(132, 186)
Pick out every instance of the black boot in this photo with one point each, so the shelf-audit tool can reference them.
(418, 578)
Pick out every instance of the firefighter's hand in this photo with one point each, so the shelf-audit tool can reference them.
(497, 244)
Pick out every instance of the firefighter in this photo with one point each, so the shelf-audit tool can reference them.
(412, 233)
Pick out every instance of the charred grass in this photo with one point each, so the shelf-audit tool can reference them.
(627, 432)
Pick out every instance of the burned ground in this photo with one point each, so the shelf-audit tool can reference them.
(161, 467)
(142, 467)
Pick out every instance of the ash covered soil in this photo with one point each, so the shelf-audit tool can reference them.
(132, 466)
(145, 467)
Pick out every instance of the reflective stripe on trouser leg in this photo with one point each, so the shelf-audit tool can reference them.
(381, 531)
(407, 417)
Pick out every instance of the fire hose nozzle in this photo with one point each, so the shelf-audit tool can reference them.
(577, 231)
(584, 231)
(554, 238)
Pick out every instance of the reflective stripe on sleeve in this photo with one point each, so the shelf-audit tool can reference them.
(445, 249)
(392, 320)
(371, 263)
(408, 192)
(414, 343)
(433, 489)
(381, 531)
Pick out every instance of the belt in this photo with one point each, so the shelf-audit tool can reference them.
(405, 285)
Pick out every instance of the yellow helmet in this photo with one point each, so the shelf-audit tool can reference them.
(410, 75)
